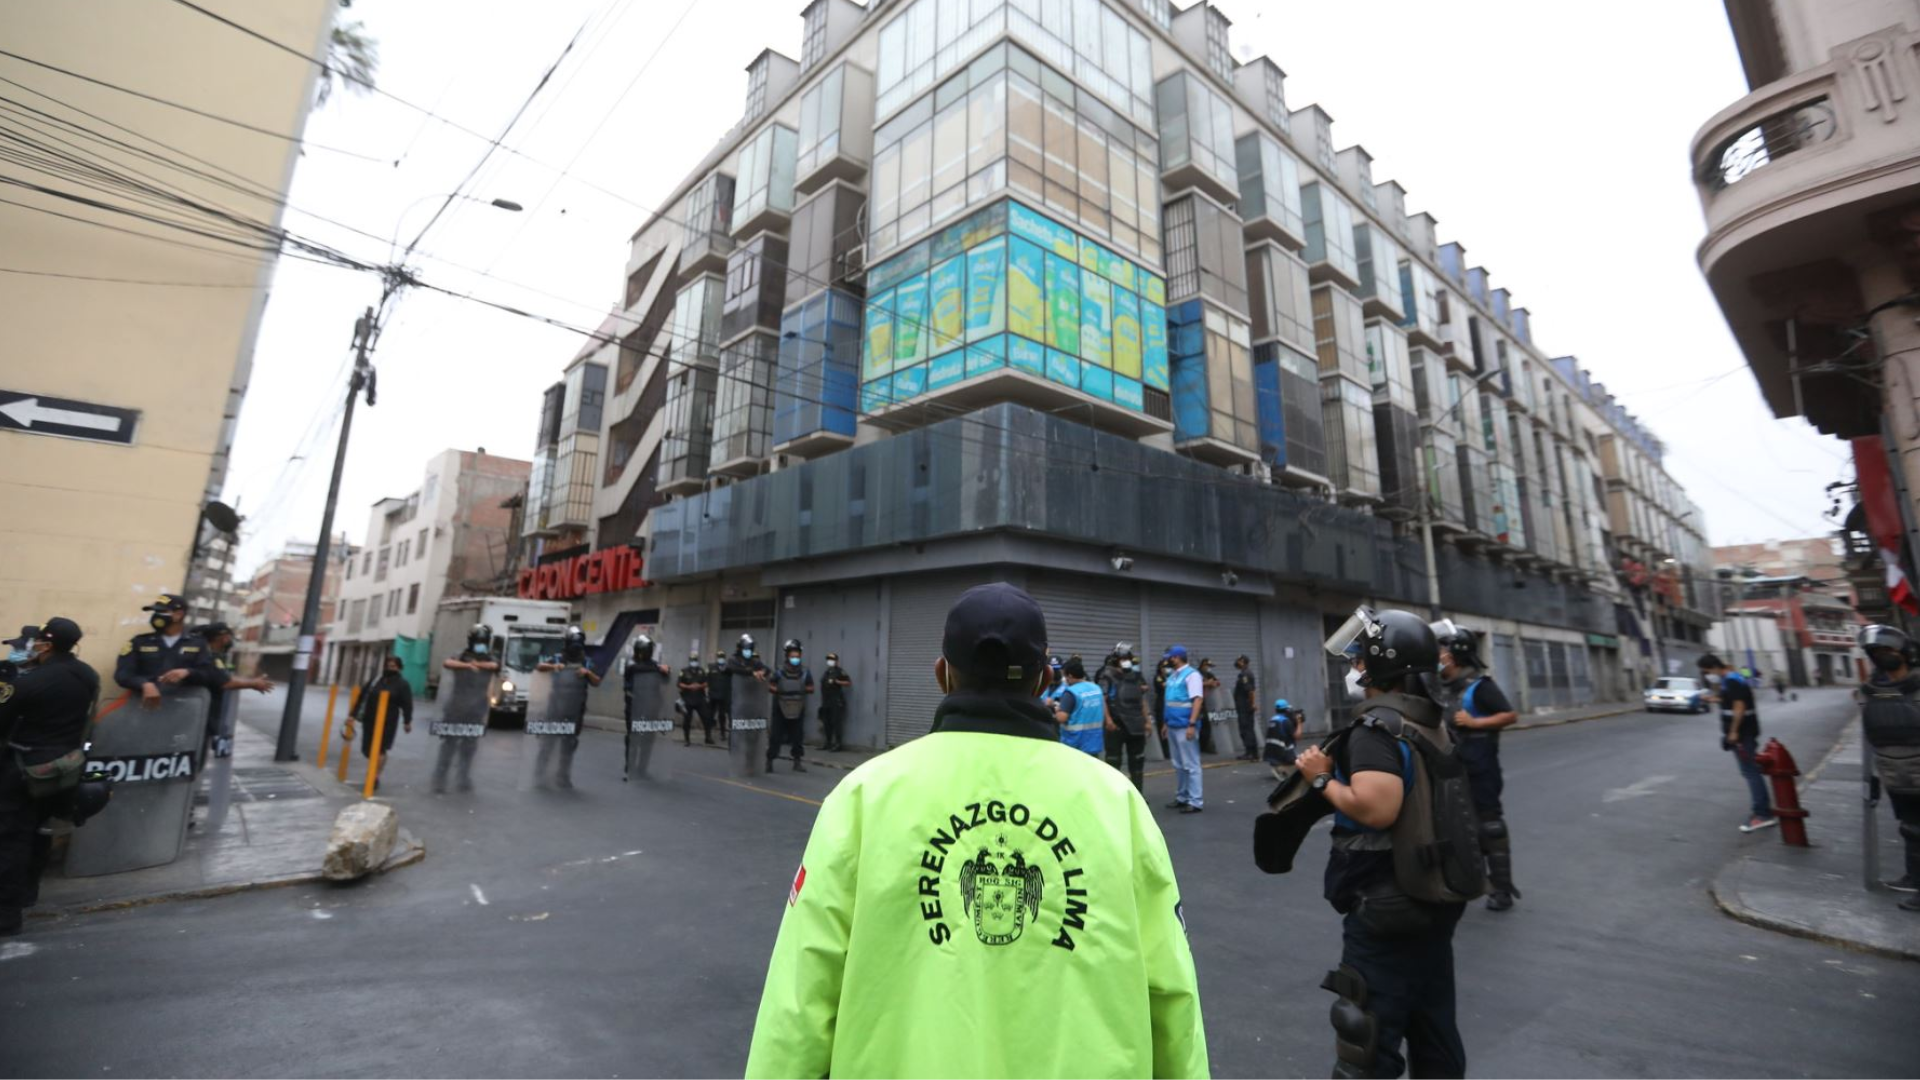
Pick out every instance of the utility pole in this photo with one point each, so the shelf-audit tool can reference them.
(288, 746)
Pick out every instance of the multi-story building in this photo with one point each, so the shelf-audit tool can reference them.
(1822, 559)
(1064, 295)
(1786, 627)
(1810, 186)
(269, 623)
(214, 593)
(454, 535)
(143, 381)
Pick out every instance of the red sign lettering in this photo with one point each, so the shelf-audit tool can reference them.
(614, 569)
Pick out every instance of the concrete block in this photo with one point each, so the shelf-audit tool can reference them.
(362, 838)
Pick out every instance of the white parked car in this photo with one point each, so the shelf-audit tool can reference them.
(1675, 694)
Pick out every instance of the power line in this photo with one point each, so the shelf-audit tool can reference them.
(125, 281)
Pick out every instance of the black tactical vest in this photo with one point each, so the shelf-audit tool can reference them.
(1890, 714)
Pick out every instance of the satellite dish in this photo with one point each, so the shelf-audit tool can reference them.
(222, 517)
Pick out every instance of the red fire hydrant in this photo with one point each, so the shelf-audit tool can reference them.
(1779, 766)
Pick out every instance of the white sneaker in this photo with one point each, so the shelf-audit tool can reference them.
(1756, 824)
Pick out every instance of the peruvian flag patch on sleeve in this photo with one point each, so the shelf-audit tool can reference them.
(799, 879)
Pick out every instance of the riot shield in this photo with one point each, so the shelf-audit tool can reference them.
(556, 704)
(752, 709)
(150, 755)
(218, 766)
(649, 722)
(463, 720)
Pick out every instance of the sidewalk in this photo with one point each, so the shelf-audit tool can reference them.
(1818, 892)
(275, 833)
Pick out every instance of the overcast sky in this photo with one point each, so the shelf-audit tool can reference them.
(1550, 141)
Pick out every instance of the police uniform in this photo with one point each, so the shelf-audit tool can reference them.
(790, 684)
(719, 680)
(1475, 693)
(555, 756)
(1126, 691)
(645, 678)
(695, 686)
(46, 717)
(969, 901)
(1890, 717)
(833, 706)
(1244, 690)
(148, 656)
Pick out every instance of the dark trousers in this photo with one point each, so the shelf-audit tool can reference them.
(721, 710)
(1410, 994)
(1132, 748)
(1743, 752)
(1249, 742)
(1206, 731)
(688, 712)
(1481, 755)
(782, 731)
(1906, 809)
(833, 720)
(23, 850)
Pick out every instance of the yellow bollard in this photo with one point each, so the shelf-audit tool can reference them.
(373, 752)
(346, 734)
(326, 729)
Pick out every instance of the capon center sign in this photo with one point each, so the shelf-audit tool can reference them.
(613, 569)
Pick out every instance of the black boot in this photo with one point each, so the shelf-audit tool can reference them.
(769, 765)
(12, 921)
(797, 767)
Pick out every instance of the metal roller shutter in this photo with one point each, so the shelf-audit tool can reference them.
(1210, 624)
(917, 619)
(1087, 615)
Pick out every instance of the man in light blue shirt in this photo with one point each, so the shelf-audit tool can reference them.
(1081, 711)
(1180, 720)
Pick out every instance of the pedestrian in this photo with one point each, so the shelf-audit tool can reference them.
(219, 737)
(1081, 711)
(1780, 686)
(970, 900)
(1476, 710)
(695, 684)
(46, 719)
(1281, 749)
(1395, 981)
(166, 656)
(1056, 681)
(1740, 734)
(1890, 720)
(1245, 689)
(391, 682)
(1127, 697)
(572, 663)
(1210, 708)
(791, 684)
(1186, 699)
(833, 703)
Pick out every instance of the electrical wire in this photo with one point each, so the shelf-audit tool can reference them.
(126, 281)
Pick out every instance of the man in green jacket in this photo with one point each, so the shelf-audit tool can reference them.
(985, 901)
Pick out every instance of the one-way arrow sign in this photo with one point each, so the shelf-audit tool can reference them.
(41, 415)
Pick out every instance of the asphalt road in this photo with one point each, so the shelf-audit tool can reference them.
(623, 930)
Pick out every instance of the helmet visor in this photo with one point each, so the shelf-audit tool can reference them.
(1345, 642)
(1444, 631)
(1882, 637)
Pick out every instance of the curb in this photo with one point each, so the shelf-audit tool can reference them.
(1739, 912)
(1563, 721)
(415, 852)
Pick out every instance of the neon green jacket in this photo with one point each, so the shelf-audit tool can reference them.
(985, 901)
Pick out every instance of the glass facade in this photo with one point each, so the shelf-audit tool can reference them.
(929, 39)
(1010, 287)
(824, 231)
(765, 182)
(1327, 217)
(821, 108)
(1270, 188)
(709, 220)
(1420, 299)
(1346, 415)
(686, 443)
(1280, 296)
(743, 413)
(1212, 357)
(815, 386)
(1379, 263)
(1196, 129)
(1389, 368)
(1009, 121)
(1340, 336)
(756, 274)
(1291, 427)
(1206, 254)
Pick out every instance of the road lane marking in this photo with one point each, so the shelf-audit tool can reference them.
(761, 790)
(478, 896)
(1638, 788)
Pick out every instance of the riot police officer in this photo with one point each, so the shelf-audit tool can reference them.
(1245, 688)
(833, 703)
(643, 673)
(1126, 690)
(456, 754)
(1890, 720)
(573, 663)
(167, 656)
(46, 720)
(696, 688)
(1395, 979)
(1476, 709)
(791, 684)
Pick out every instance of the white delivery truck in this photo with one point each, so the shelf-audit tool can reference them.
(523, 632)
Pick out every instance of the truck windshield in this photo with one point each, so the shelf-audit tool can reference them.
(524, 652)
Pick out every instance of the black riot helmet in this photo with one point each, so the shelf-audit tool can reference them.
(480, 638)
(574, 646)
(1462, 643)
(791, 645)
(643, 649)
(744, 646)
(1391, 644)
(1888, 647)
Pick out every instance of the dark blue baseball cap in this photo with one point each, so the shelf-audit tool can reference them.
(996, 636)
(1177, 652)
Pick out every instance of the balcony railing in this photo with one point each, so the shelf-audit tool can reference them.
(1775, 136)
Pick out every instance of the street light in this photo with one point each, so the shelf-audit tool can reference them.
(393, 245)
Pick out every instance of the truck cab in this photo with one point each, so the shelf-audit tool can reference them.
(520, 651)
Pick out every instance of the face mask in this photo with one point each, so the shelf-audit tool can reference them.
(1126, 665)
(1887, 661)
(160, 621)
(794, 661)
(480, 650)
(746, 652)
(19, 656)
(1355, 691)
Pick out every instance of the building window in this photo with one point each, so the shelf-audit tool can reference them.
(420, 546)
(349, 563)
(413, 598)
(1219, 49)
(1160, 11)
(743, 417)
(709, 220)
(1328, 220)
(813, 36)
(1196, 127)
(1205, 253)
(340, 611)
(400, 554)
(766, 167)
(746, 614)
(1269, 183)
(366, 564)
(820, 113)
(380, 571)
(1277, 113)
(373, 610)
(393, 602)
(757, 87)
(356, 616)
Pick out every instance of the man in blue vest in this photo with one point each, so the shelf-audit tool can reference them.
(1081, 711)
(1740, 733)
(1476, 709)
(1186, 697)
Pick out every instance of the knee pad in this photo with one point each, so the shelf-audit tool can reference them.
(1356, 1031)
(1493, 830)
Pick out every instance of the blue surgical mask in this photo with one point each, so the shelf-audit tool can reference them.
(19, 656)
(746, 652)
(794, 660)
(480, 650)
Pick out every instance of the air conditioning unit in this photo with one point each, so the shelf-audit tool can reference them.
(853, 264)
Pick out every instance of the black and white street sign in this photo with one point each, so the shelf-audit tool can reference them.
(21, 411)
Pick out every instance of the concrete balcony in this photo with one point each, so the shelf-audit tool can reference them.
(1789, 177)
